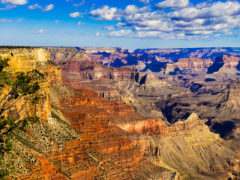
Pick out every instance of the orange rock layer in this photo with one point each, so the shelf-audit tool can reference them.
(102, 151)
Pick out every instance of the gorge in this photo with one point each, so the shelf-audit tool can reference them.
(112, 113)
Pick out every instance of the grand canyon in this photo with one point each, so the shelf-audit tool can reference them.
(114, 113)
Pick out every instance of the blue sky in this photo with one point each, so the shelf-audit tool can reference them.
(120, 23)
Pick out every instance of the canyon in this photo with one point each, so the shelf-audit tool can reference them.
(112, 113)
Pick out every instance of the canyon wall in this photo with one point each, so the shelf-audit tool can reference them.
(28, 59)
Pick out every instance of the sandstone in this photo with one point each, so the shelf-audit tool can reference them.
(27, 59)
(193, 63)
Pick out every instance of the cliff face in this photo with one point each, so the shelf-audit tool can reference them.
(106, 153)
(93, 70)
(196, 64)
(233, 101)
(230, 61)
(221, 64)
(64, 54)
(188, 147)
(27, 59)
(87, 145)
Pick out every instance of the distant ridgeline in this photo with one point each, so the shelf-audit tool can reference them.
(203, 53)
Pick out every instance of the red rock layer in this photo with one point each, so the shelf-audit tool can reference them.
(158, 126)
(102, 151)
(196, 63)
(94, 70)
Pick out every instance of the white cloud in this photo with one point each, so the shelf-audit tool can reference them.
(99, 34)
(109, 28)
(8, 7)
(14, 2)
(40, 31)
(56, 21)
(145, 1)
(121, 33)
(49, 7)
(132, 9)
(225, 8)
(173, 4)
(34, 6)
(5, 20)
(75, 14)
(37, 6)
(106, 13)
(79, 4)
(203, 20)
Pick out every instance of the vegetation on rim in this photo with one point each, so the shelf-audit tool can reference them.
(13, 88)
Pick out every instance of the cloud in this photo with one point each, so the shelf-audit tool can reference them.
(109, 28)
(34, 6)
(40, 31)
(144, 1)
(99, 34)
(8, 7)
(14, 2)
(203, 20)
(132, 9)
(173, 4)
(48, 7)
(121, 33)
(230, 8)
(79, 4)
(5, 20)
(75, 14)
(37, 6)
(105, 13)
(56, 21)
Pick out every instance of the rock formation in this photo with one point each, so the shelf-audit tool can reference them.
(76, 137)
(103, 122)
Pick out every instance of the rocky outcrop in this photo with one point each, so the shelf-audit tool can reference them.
(188, 66)
(27, 59)
(230, 61)
(233, 101)
(188, 147)
(195, 64)
(64, 54)
(101, 152)
(87, 70)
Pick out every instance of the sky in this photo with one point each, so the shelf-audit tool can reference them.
(121, 23)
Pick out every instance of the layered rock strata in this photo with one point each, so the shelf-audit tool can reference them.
(76, 137)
